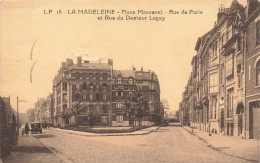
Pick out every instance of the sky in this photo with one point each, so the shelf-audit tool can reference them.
(165, 47)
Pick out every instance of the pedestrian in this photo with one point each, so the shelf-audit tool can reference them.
(27, 129)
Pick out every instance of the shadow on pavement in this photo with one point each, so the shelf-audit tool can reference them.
(39, 136)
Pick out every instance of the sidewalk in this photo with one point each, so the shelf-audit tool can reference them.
(29, 149)
(241, 148)
(81, 133)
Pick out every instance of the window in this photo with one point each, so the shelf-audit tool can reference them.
(152, 86)
(84, 86)
(64, 86)
(151, 107)
(77, 97)
(97, 97)
(151, 97)
(229, 65)
(104, 85)
(258, 73)
(230, 99)
(239, 76)
(104, 119)
(91, 97)
(65, 96)
(119, 81)
(84, 97)
(130, 81)
(223, 40)
(77, 87)
(91, 86)
(98, 75)
(229, 33)
(258, 33)
(214, 50)
(77, 75)
(139, 87)
(104, 97)
(213, 83)
(119, 105)
(84, 75)
(104, 75)
(104, 108)
(119, 118)
(91, 108)
(222, 74)
(119, 93)
(97, 86)
(91, 75)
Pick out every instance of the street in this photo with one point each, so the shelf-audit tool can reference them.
(168, 144)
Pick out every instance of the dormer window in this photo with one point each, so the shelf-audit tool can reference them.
(130, 81)
(119, 81)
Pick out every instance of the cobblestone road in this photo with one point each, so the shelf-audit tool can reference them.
(168, 144)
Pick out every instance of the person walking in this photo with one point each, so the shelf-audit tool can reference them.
(27, 129)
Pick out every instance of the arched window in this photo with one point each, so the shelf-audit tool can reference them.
(258, 73)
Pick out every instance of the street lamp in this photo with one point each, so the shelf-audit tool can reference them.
(18, 114)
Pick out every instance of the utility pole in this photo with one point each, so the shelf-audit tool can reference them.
(17, 118)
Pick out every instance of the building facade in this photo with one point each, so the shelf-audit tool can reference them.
(225, 74)
(85, 93)
(252, 70)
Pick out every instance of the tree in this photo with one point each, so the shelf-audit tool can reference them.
(165, 106)
(177, 115)
(136, 106)
(76, 109)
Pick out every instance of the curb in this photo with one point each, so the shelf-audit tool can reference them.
(217, 149)
(60, 156)
(126, 134)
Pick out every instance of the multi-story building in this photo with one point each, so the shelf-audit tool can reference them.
(148, 83)
(30, 115)
(252, 70)
(39, 108)
(85, 92)
(225, 74)
(86, 83)
(123, 85)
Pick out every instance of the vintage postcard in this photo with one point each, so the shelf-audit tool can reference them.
(129, 81)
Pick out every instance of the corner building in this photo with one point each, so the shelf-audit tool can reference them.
(101, 92)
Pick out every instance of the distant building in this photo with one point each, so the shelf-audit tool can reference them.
(30, 115)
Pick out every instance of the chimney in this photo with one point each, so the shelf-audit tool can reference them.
(134, 69)
(79, 60)
(110, 62)
(221, 10)
(69, 62)
(142, 69)
(63, 65)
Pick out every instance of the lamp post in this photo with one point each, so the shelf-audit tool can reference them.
(18, 114)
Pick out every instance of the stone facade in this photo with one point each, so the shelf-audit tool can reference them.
(222, 87)
(99, 93)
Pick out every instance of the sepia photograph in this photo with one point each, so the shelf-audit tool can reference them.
(131, 81)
